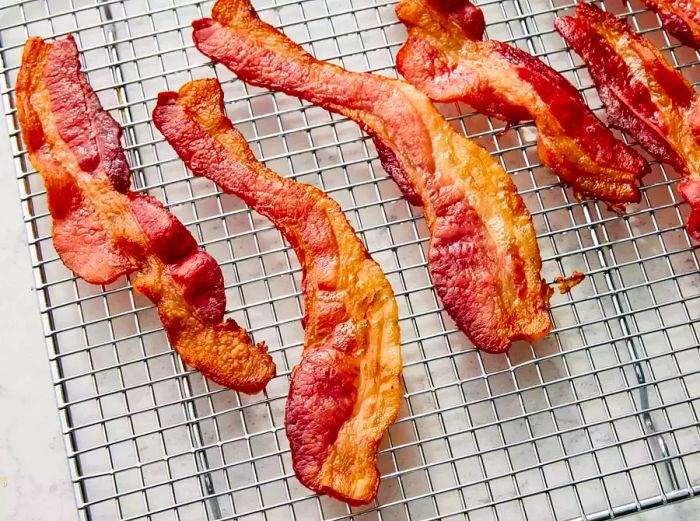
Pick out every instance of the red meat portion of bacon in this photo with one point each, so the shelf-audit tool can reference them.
(446, 57)
(90, 132)
(487, 273)
(346, 390)
(101, 230)
(642, 93)
(681, 18)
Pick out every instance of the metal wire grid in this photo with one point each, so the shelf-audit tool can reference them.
(597, 420)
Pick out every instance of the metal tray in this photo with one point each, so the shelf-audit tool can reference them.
(597, 420)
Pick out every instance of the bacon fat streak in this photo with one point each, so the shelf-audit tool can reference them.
(483, 258)
(446, 57)
(101, 230)
(347, 389)
(642, 93)
(681, 18)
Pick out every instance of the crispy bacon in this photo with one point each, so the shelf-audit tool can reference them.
(446, 57)
(347, 389)
(101, 230)
(483, 257)
(566, 284)
(643, 94)
(681, 18)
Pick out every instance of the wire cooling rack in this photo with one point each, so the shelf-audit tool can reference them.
(597, 420)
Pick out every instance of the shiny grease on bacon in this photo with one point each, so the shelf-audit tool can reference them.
(681, 18)
(483, 258)
(347, 389)
(642, 93)
(101, 230)
(446, 57)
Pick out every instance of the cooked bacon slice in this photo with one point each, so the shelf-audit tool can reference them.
(446, 57)
(101, 230)
(483, 257)
(642, 93)
(566, 284)
(681, 18)
(347, 389)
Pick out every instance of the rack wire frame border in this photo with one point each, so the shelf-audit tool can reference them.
(599, 240)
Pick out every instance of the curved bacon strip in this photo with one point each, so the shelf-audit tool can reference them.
(642, 93)
(347, 389)
(681, 18)
(101, 230)
(483, 257)
(446, 58)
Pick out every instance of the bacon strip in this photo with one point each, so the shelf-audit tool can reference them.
(643, 94)
(101, 230)
(681, 18)
(483, 257)
(446, 57)
(347, 389)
